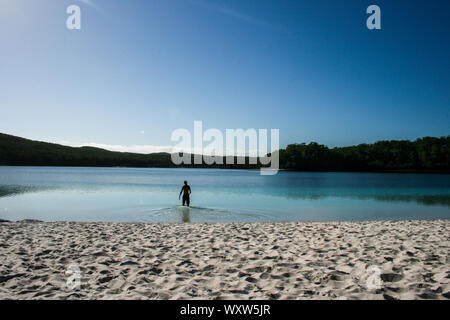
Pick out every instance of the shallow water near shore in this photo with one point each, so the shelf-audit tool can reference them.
(151, 195)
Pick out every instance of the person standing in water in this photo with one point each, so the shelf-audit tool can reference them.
(186, 191)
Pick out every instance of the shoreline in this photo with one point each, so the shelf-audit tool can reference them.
(37, 221)
(261, 260)
(236, 222)
(212, 167)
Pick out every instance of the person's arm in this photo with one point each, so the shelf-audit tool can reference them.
(190, 190)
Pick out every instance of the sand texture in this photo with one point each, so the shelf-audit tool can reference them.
(346, 260)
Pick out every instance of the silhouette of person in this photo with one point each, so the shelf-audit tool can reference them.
(186, 191)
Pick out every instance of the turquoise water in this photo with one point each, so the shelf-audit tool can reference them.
(151, 195)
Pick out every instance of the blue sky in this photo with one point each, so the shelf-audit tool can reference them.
(137, 70)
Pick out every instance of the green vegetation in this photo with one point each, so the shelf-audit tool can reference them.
(424, 155)
(16, 151)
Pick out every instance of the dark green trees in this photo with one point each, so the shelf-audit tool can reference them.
(425, 154)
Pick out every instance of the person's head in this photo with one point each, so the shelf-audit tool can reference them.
(185, 182)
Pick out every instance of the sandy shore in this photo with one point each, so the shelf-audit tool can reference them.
(226, 261)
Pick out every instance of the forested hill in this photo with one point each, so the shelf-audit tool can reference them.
(423, 155)
(16, 151)
(20, 151)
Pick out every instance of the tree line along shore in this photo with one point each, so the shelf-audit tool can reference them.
(428, 154)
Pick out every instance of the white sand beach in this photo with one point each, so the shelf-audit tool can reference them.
(226, 261)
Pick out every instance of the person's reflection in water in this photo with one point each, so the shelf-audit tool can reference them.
(185, 214)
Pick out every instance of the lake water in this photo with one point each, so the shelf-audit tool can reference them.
(151, 195)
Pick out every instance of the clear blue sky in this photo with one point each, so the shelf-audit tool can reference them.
(137, 70)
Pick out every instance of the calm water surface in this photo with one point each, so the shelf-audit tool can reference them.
(151, 195)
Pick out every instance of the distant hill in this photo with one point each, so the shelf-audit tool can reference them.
(422, 155)
(427, 154)
(20, 151)
(16, 151)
